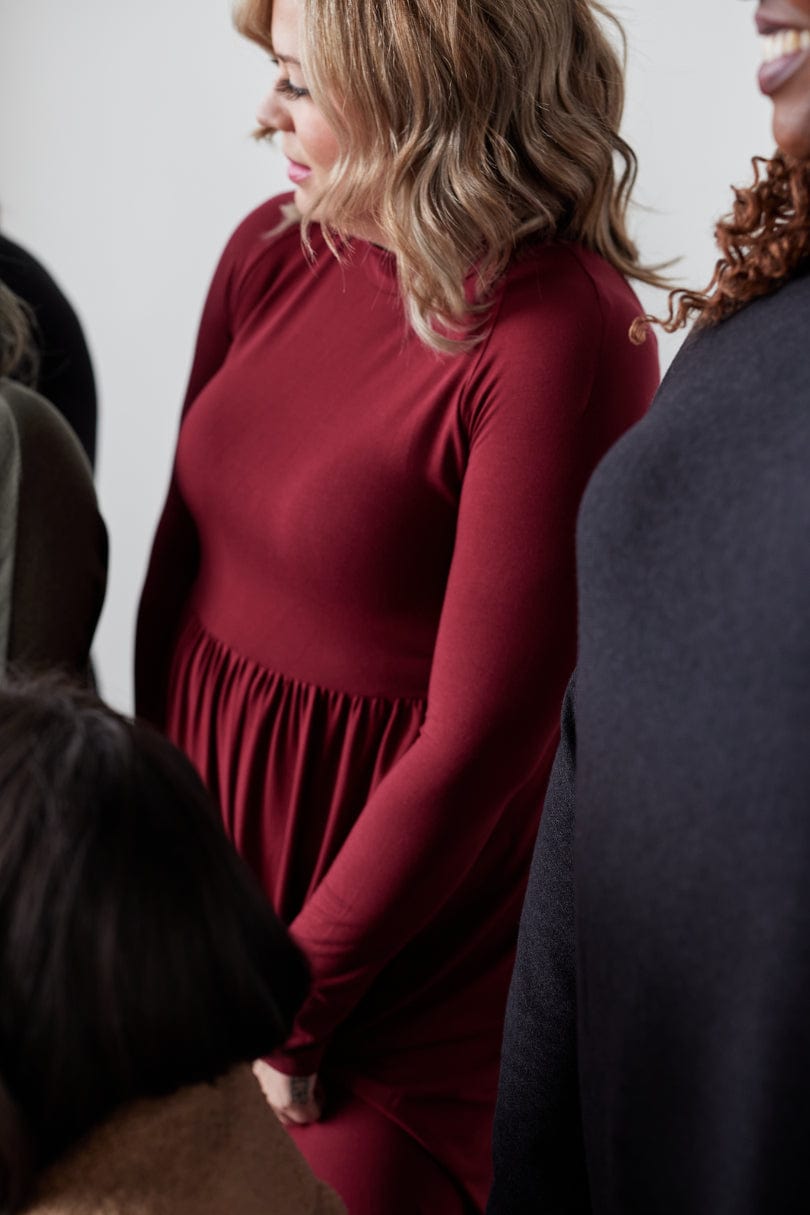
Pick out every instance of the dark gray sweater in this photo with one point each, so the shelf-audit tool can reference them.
(657, 1045)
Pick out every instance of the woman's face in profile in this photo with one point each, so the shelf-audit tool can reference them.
(785, 72)
(306, 138)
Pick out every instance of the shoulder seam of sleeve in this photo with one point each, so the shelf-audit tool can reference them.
(597, 295)
(246, 252)
(585, 274)
(483, 346)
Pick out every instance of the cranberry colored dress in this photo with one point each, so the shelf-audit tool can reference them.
(359, 621)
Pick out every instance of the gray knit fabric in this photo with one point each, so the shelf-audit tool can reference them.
(657, 1050)
(9, 488)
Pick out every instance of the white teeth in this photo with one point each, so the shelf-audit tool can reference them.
(785, 42)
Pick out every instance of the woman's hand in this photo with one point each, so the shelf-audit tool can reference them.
(294, 1099)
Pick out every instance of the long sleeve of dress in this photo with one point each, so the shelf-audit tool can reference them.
(503, 654)
(537, 1142)
(173, 561)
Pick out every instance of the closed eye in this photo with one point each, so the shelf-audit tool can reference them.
(290, 90)
(285, 86)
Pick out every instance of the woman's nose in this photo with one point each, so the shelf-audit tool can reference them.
(272, 112)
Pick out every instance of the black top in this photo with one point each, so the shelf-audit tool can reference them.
(65, 373)
(657, 1046)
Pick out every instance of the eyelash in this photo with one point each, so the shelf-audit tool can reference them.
(286, 87)
(290, 90)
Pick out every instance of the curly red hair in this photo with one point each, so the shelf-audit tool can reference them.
(763, 242)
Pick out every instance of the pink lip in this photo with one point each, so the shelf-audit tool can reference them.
(768, 25)
(774, 74)
(297, 172)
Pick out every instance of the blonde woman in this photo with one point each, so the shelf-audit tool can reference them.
(359, 615)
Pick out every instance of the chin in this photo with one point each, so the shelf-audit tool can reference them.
(793, 136)
(304, 198)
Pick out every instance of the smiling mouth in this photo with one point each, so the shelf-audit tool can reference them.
(785, 51)
(782, 43)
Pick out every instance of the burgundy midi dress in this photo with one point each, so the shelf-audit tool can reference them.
(359, 620)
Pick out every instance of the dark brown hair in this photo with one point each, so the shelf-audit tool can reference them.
(763, 242)
(137, 953)
(18, 356)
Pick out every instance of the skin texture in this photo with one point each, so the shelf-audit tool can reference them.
(304, 135)
(294, 1099)
(791, 102)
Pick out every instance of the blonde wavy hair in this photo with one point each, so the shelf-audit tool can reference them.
(466, 128)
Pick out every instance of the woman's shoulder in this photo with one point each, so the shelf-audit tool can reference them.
(270, 230)
(568, 278)
(559, 300)
(767, 332)
(265, 252)
(759, 353)
(40, 429)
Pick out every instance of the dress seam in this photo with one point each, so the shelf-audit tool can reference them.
(193, 618)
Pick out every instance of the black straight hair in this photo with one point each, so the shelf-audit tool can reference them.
(137, 952)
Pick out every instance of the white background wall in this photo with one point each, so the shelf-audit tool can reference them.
(125, 161)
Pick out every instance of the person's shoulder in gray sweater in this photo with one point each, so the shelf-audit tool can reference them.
(659, 1002)
(657, 1051)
